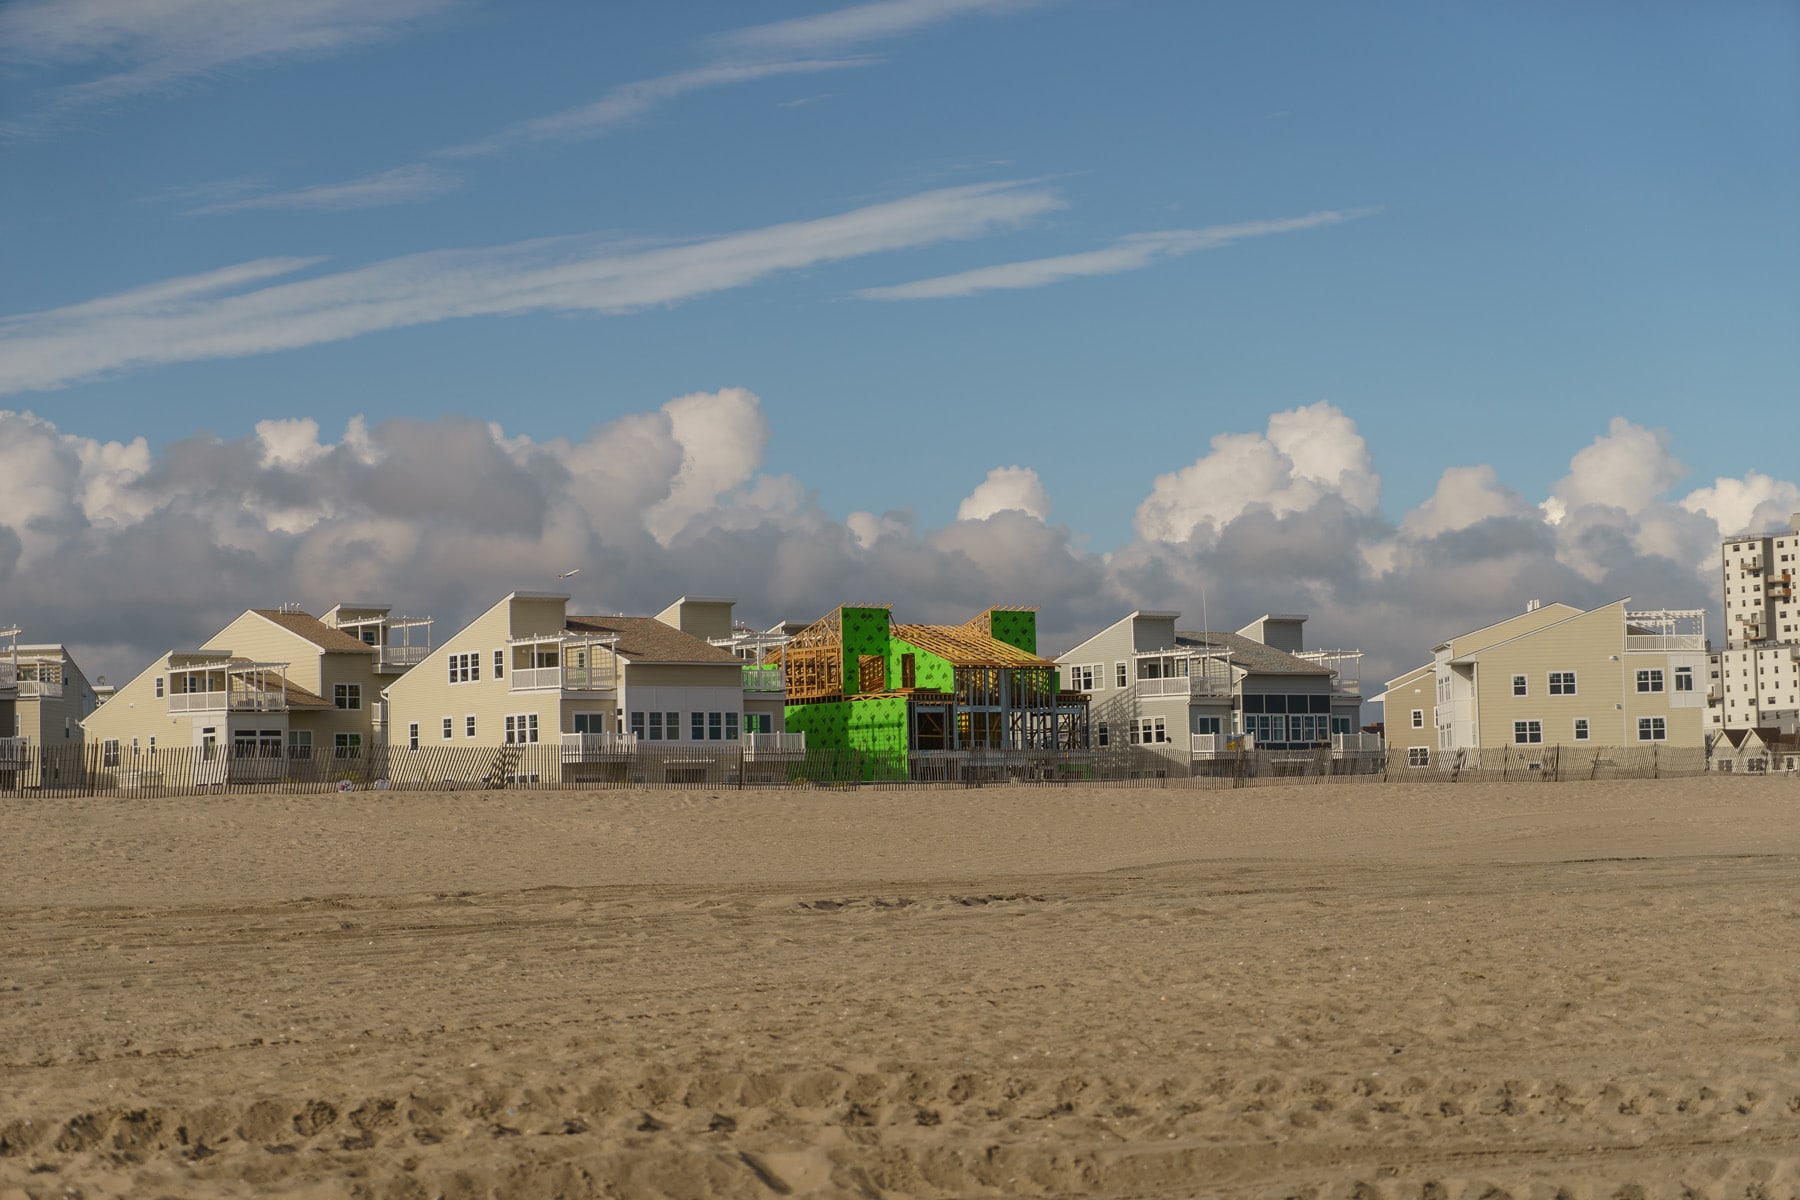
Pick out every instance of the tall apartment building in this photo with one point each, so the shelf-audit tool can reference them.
(1758, 671)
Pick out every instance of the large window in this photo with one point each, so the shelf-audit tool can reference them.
(522, 728)
(299, 743)
(1528, 733)
(1418, 756)
(1650, 681)
(1148, 731)
(1684, 679)
(465, 668)
(1652, 729)
(759, 723)
(346, 745)
(1562, 683)
(1083, 678)
(347, 695)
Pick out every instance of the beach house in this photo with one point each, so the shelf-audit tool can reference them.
(43, 698)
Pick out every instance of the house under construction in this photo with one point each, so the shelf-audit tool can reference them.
(900, 693)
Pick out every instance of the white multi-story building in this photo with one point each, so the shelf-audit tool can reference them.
(1756, 680)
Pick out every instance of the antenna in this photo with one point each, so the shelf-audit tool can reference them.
(567, 574)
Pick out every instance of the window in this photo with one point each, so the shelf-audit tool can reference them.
(347, 695)
(412, 736)
(1650, 681)
(522, 729)
(1100, 734)
(1581, 729)
(1652, 729)
(1081, 679)
(465, 668)
(299, 743)
(1684, 679)
(449, 726)
(697, 726)
(1562, 683)
(469, 725)
(1206, 725)
(1418, 756)
(588, 722)
(1519, 686)
(656, 726)
(715, 726)
(159, 687)
(499, 664)
(1147, 731)
(346, 745)
(1418, 721)
(109, 752)
(1119, 677)
(758, 723)
(637, 726)
(1527, 733)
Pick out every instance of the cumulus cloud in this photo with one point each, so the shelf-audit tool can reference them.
(1006, 489)
(1306, 454)
(220, 314)
(124, 552)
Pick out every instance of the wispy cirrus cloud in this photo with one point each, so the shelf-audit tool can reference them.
(142, 46)
(211, 316)
(629, 101)
(1132, 253)
(857, 25)
(401, 185)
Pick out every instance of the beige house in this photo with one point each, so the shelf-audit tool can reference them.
(1553, 676)
(275, 684)
(528, 672)
(43, 698)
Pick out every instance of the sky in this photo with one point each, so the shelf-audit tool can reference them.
(1400, 315)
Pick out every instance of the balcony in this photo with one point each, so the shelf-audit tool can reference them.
(765, 680)
(1182, 685)
(1212, 745)
(599, 677)
(1345, 745)
(1345, 667)
(236, 700)
(766, 746)
(31, 687)
(400, 658)
(598, 747)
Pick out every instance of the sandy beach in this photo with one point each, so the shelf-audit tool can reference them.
(1581, 990)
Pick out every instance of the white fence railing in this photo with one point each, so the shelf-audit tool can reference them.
(40, 687)
(568, 679)
(765, 679)
(1183, 685)
(246, 701)
(12, 752)
(774, 745)
(597, 747)
(1682, 642)
(404, 656)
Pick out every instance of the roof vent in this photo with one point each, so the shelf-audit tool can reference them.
(1533, 605)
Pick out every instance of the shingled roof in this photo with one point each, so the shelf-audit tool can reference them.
(1251, 655)
(314, 630)
(646, 639)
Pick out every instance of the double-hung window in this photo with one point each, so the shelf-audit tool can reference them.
(1528, 733)
(465, 668)
(1520, 687)
(1562, 683)
(522, 728)
(1650, 681)
(347, 695)
(1581, 729)
(1652, 729)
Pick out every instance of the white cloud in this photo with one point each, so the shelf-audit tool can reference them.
(1626, 468)
(1308, 453)
(1131, 253)
(859, 24)
(146, 45)
(188, 319)
(443, 516)
(402, 185)
(1753, 503)
(1006, 489)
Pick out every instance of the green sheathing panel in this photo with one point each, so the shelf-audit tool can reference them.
(874, 729)
(1016, 629)
(929, 670)
(864, 631)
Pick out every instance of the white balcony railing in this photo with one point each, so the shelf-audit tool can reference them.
(9, 676)
(1651, 642)
(1356, 743)
(1183, 685)
(235, 701)
(774, 745)
(598, 678)
(398, 657)
(1209, 745)
(49, 688)
(765, 679)
(598, 747)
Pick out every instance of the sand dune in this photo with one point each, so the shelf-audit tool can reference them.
(1590, 990)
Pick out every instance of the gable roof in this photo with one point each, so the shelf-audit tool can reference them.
(313, 630)
(1248, 654)
(646, 639)
(964, 646)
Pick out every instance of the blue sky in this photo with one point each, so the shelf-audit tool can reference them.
(933, 238)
